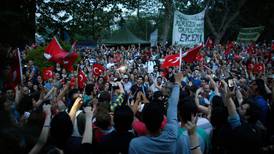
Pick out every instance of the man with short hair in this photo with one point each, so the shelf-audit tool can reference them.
(157, 140)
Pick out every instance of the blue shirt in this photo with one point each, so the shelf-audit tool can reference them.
(264, 108)
(165, 143)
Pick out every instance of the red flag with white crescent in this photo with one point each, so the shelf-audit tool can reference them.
(258, 68)
(54, 52)
(98, 69)
(82, 79)
(48, 72)
(171, 60)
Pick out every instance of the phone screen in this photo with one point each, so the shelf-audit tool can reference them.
(230, 83)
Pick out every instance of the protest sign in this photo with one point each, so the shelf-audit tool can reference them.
(188, 30)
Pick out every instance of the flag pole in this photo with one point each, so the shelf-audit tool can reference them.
(20, 65)
(180, 65)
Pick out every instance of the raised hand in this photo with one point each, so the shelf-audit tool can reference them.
(179, 77)
(191, 125)
(47, 109)
(89, 111)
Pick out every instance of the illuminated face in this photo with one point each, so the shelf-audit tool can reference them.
(206, 89)
(140, 81)
(10, 94)
(25, 90)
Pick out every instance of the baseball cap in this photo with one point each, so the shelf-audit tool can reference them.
(125, 76)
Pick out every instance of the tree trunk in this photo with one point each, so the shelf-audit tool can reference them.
(168, 4)
(166, 27)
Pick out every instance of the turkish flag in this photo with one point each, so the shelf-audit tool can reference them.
(171, 60)
(190, 55)
(54, 52)
(82, 79)
(48, 72)
(229, 47)
(258, 68)
(98, 69)
(13, 73)
(209, 43)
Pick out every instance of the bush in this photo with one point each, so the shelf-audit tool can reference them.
(37, 56)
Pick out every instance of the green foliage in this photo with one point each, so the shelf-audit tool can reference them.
(86, 18)
(37, 55)
(141, 27)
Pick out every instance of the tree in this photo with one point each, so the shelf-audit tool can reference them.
(87, 18)
(226, 10)
(168, 12)
(17, 19)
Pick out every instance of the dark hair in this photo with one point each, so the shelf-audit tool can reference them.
(89, 89)
(141, 77)
(217, 101)
(123, 118)
(152, 116)
(25, 104)
(71, 93)
(103, 120)
(104, 96)
(218, 116)
(261, 87)
(61, 129)
(187, 107)
(253, 111)
(219, 112)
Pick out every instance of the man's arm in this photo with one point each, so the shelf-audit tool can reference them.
(174, 99)
(76, 105)
(201, 108)
(87, 136)
(233, 116)
(44, 133)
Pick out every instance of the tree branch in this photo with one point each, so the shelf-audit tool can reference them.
(212, 28)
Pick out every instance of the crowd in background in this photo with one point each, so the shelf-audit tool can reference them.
(220, 103)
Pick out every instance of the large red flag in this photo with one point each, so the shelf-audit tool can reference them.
(171, 60)
(48, 72)
(82, 79)
(98, 69)
(229, 47)
(272, 45)
(13, 73)
(190, 55)
(209, 43)
(54, 52)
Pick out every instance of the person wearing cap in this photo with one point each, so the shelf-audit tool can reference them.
(127, 84)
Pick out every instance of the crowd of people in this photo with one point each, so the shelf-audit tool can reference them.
(218, 104)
